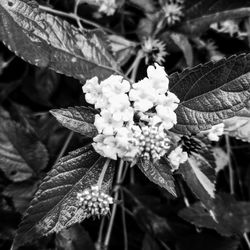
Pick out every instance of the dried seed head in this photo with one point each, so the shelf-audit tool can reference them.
(95, 201)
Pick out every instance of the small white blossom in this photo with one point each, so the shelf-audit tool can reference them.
(215, 132)
(167, 115)
(176, 157)
(93, 93)
(106, 124)
(95, 202)
(143, 95)
(114, 85)
(105, 146)
(121, 109)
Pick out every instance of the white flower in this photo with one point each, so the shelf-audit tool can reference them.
(159, 78)
(143, 94)
(167, 115)
(215, 132)
(176, 157)
(170, 100)
(93, 93)
(114, 85)
(105, 146)
(106, 124)
(121, 109)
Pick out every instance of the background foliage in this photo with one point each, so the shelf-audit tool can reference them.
(181, 216)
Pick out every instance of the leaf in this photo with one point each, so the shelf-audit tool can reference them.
(22, 155)
(210, 93)
(78, 119)
(230, 217)
(199, 14)
(55, 206)
(199, 176)
(146, 5)
(74, 238)
(48, 41)
(21, 194)
(158, 173)
(213, 242)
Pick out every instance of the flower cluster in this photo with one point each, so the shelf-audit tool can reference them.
(94, 201)
(154, 48)
(173, 11)
(133, 120)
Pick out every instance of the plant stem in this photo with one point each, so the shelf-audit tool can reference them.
(114, 208)
(247, 240)
(230, 166)
(124, 225)
(74, 16)
(101, 177)
(78, 20)
(99, 240)
(66, 144)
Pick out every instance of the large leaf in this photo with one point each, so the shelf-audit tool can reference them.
(48, 41)
(199, 14)
(158, 173)
(78, 119)
(22, 154)
(211, 93)
(55, 205)
(199, 176)
(229, 216)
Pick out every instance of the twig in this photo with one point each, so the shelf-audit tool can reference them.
(66, 144)
(74, 16)
(247, 239)
(114, 208)
(78, 20)
(230, 166)
(99, 240)
(124, 225)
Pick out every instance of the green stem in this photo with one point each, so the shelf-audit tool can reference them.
(230, 165)
(65, 146)
(74, 16)
(101, 177)
(114, 208)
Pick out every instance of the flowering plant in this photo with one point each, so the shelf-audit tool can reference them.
(146, 106)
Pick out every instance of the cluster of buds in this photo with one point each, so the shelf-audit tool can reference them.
(172, 11)
(95, 202)
(153, 143)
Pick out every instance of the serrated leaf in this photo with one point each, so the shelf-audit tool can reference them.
(78, 119)
(211, 93)
(229, 217)
(199, 176)
(48, 41)
(55, 205)
(199, 14)
(22, 155)
(158, 173)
